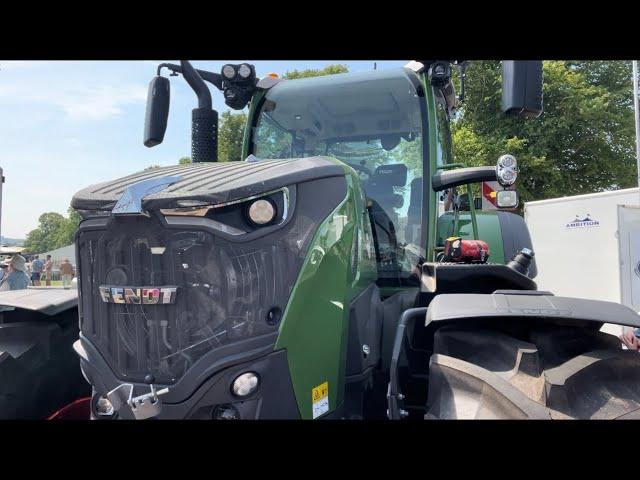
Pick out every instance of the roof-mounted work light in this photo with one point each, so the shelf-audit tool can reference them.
(238, 84)
(507, 170)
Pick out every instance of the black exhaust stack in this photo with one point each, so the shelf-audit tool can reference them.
(204, 119)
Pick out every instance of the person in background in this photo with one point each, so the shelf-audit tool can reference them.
(37, 265)
(66, 271)
(16, 279)
(48, 267)
(4, 269)
(630, 339)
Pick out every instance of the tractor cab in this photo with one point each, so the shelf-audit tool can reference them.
(374, 122)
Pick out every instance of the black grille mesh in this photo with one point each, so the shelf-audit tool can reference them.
(225, 289)
(224, 293)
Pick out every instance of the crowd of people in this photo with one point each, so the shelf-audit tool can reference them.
(17, 274)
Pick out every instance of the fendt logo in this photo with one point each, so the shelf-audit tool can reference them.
(582, 222)
(139, 295)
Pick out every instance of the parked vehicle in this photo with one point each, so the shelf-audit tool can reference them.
(588, 246)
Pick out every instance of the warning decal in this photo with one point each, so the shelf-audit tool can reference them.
(489, 195)
(320, 399)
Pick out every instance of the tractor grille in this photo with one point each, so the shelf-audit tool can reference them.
(225, 291)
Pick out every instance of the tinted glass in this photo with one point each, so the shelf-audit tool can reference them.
(371, 121)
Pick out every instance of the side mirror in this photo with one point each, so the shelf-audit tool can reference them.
(155, 122)
(522, 88)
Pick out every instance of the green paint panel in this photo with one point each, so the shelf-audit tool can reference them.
(434, 147)
(315, 323)
(488, 230)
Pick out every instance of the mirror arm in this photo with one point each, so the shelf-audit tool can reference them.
(197, 84)
(214, 79)
(452, 178)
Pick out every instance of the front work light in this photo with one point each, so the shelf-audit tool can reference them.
(225, 412)
(507, 199)
(104, 408)
(245, 384)
(228, 72)
(507, 170)
(261, 212)
(244, 71)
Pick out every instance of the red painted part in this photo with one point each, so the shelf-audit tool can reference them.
(486, 193)
(465, 251)
(78, 410)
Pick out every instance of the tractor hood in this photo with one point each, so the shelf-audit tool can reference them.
(210, 182)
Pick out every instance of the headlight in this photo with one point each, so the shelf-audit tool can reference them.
(261, 212)
(103, 407)
(507, 161)
(245, 384)
(507, 170)
(507, 177)
(225, 412)
(244, 71)
(236, 217)
(228, 72)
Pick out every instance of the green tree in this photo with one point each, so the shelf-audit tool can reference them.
(230, 136)
(582, 143)
(67, 231)
(318, 72)
(54, 231)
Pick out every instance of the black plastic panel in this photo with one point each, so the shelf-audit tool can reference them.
(226, 290)
(210, 182)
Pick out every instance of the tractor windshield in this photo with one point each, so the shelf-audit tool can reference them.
(371, 121)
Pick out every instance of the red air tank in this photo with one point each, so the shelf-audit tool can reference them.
(458, 250)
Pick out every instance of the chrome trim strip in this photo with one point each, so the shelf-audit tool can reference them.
(131, 200)
(227, 228)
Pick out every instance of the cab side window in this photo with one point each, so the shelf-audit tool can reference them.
(272, 141)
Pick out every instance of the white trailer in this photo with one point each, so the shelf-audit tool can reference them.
(588, 246)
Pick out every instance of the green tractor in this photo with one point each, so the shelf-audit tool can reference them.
(337, 272)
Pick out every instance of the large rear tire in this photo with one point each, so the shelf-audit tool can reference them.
(39, 371)
(553, 372)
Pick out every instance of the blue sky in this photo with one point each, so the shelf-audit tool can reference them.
(67, 125)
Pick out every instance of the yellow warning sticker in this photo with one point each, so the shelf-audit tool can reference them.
(320, 399)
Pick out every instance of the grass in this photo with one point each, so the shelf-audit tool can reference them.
(54, 283)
